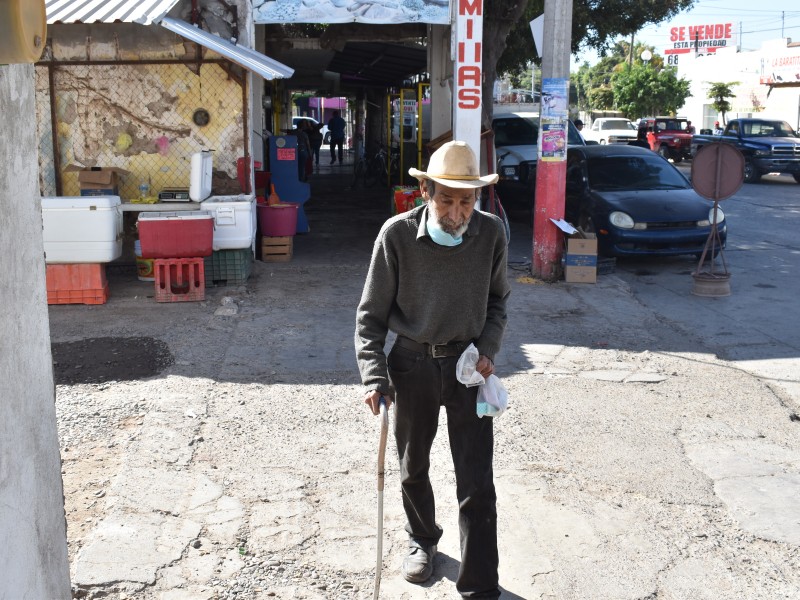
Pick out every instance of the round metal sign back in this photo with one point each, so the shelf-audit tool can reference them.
(717, 171)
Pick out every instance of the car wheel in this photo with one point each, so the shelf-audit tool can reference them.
(677, 159)
(602, 142)
(797, 177)
(751, 174)
(664, 152)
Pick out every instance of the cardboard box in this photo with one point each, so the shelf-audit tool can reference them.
(581, 259)
(98, 181)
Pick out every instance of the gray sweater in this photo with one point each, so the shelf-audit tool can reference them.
(431, 293)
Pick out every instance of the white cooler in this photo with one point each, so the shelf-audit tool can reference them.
(81, 229)
(234, 221)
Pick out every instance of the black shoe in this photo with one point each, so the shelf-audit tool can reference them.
(333, 160)
(418, 565)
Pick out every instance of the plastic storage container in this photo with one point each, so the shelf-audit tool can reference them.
(200, 179)
(278, 220)
(179, 234)
(81, 229)
(229, 267)
(234, 221)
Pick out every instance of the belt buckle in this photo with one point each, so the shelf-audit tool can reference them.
(439, 353)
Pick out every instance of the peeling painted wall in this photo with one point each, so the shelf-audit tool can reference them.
(139, 117)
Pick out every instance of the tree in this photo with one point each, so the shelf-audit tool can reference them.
(642, 90)
(595, 91)
(719, 92)
(508, 46)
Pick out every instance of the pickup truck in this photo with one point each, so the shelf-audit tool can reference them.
(669, 136)
(768, 146)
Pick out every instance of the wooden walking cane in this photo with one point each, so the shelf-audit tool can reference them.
(384, 417)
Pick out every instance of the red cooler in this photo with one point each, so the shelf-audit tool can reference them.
(180, 234)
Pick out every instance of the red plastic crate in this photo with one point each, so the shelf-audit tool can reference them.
(180, 279)
(77, 284)
(180, 234)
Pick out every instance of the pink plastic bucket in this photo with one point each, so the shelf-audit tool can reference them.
(277, 220)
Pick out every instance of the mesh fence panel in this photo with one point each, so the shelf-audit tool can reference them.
(147, 119)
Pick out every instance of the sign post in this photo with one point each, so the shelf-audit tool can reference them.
(468, 75)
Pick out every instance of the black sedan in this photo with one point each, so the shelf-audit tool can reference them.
(637, 203)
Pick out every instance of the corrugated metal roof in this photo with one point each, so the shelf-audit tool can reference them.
(248, 58)
(143, 12)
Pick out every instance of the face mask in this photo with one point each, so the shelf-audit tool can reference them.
(439, 235)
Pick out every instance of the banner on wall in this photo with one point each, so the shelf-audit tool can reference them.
(376, 12)
(781, 68)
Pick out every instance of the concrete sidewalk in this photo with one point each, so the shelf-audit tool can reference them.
(631, 464)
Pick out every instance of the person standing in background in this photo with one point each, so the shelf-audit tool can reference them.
(303, 149)
(315, 137)
(336, 127)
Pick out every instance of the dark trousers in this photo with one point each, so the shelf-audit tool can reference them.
(315, 151)
(424, 384)
(337, 144)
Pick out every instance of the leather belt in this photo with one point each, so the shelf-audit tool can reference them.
(432, 350)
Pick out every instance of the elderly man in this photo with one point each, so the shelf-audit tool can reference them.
(437, 279)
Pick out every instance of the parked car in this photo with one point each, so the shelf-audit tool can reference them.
(610, 130)
(326, 136)
(516, 138)
(637, 203)
(669, 136)
(768, 146)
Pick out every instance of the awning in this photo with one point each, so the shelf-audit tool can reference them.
(149, 12)
(245, 57)
(143, 12)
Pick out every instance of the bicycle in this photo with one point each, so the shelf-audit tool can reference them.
(374, 170)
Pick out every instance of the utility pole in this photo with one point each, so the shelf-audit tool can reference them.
(551, 176)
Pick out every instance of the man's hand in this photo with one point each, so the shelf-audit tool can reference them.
(484, 366)
(373, 399)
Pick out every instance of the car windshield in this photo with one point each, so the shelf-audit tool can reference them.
(617, 124)
(518, 131)
(633, 173)
(767, 129)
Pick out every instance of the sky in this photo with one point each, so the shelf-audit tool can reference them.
(760, 21)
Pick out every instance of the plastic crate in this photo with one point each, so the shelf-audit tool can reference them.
(229, 267)
(180, 279)
(83, 283)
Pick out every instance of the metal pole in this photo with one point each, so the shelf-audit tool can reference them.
(551, 176)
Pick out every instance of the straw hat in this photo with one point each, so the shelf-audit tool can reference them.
(454, 165)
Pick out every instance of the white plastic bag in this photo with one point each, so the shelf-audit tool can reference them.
(465, 368)
(492, 395)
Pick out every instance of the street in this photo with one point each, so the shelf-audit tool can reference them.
(756, 326)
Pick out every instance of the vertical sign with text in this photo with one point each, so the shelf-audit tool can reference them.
(468, 72)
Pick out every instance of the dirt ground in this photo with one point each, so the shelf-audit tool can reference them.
(215, 455)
